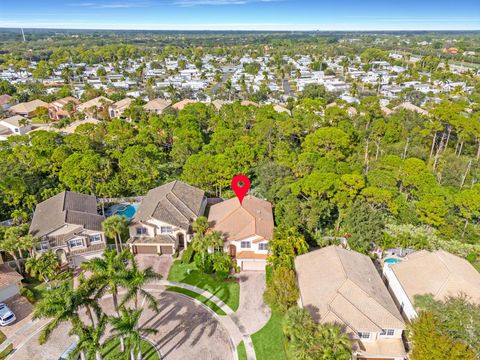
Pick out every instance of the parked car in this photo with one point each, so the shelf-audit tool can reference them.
(6, 315)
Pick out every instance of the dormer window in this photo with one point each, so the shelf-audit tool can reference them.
(77, 242)
(165, 229)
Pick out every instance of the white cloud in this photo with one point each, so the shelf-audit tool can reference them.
(113, 5)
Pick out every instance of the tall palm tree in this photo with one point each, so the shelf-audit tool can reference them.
(127, 326)
(12, 245)
(201, 243)
(136, 279)
(108, 273)
(114, 227)
(89, 339)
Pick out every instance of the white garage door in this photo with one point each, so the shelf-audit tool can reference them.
(250, 265)
(8, 292)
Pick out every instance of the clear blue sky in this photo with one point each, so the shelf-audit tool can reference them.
(243, 14)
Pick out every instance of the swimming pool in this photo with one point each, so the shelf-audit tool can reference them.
(391, 260)
(127, 211)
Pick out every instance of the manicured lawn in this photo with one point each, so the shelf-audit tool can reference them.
(111, 351)
(2, 337)
(269, 342)
(199, 297)
(228, 292)
(241, 352)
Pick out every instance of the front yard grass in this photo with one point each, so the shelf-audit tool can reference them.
(269, 341)
(198, 297)
(2, 337)
(4, 354)
(228, 292)
(241, 352)
(111, 351)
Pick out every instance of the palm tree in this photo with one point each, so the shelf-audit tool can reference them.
(127, 326)
(114, 227)
(201, 243)
(135, 280)
(44, 267)
(335, 342)
(200, 225)
(89, 339)
(12, 245)
(108, 273)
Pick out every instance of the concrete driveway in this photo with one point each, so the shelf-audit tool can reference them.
(186, 330)
(160, 264)
(252, 311)
(22, 309)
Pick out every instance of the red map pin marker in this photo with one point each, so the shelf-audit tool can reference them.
(240, 185)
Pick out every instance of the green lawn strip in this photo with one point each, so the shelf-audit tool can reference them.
(111, 351)
(269, 341)
(227, 291)
(198, 297)
(6, 352)
(2, 337)
(241, 352)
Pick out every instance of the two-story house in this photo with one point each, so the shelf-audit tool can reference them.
(69, 225)
(343, 286)
(163, 221)
(117, 108)
(63, 108)
(28, 109)
(247, 228)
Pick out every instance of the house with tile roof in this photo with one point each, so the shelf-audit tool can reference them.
(27, 109)
(14, 125)
(157, 106)
(117, 108)
(438, 273)
(69, 225)
(247, 229)
(163, 221)
(343, 286)
(63, 108)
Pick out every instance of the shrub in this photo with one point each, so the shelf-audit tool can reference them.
(207, 266)
(28, 294)
(222, 263)
(282, 291)
(187, 255)
(471, 258)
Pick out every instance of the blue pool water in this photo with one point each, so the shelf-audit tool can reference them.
(391, 260)
(128, 212)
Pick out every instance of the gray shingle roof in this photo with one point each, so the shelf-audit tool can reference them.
(65, 208)
(175, 203)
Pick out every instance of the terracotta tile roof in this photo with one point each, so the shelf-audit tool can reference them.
(438, 273)
(5, 99)
(97, 102)
(8, 276)
(175, 203)
(158, 239)
(181, 104)
(343, 284)
(250, 255)
(253, 218)
(65, 208)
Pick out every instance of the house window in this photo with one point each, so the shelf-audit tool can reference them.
(95, 238)
(165, 229)
(245, 245)
(363, 335)
(387, 332)
(42, 246)
(263, 246)
(16, 129)
(75, 243)
(141, 231)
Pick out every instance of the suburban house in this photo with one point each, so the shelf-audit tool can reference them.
(343, 286)
(181, 104)
(69, 225)
(117, 108)
(163, 221)
(28, 109)
(92, 107)
(247, 228)
(59, 109)
(14, 125)
(438, 273)
(10, 282)
(157, 106)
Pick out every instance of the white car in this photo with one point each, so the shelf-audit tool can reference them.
(6, 315)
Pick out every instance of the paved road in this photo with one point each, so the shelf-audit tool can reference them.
(286, 87)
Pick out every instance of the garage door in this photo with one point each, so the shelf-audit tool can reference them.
(8, 292)
(254, 265)
(146, 249)
(167, 249)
